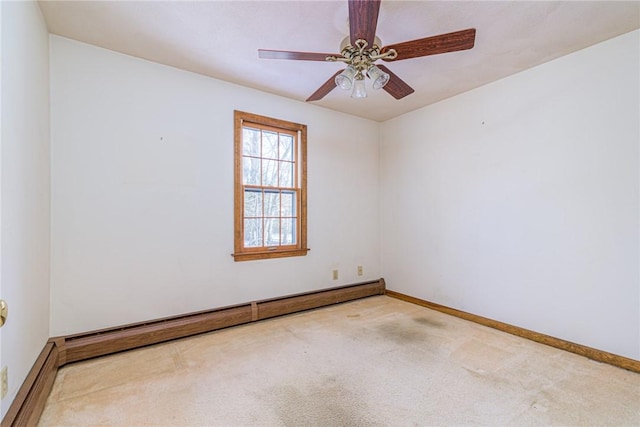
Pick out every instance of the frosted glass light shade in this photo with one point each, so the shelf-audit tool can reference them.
(359, 90)
(344, 80)
(378, 77)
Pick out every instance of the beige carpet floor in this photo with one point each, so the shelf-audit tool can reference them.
(372, 362)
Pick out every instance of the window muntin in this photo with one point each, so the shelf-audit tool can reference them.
(270, 217)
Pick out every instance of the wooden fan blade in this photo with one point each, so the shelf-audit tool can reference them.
(323, 90)
(286, 54)
(363, 20)
(396, 87)
(451, 42)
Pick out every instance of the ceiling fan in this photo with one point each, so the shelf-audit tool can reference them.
(362, 48)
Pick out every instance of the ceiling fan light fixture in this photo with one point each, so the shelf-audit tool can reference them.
(359, 89)
(345, 79)
(378, 77)
(362, 48)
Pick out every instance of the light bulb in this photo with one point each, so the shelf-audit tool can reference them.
(359, 90)
(344, 80)
(379, 77)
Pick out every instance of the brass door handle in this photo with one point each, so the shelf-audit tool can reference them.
(4, 312)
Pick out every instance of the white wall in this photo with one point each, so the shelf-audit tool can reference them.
(25, 189)
(519, 201)
(142, 193)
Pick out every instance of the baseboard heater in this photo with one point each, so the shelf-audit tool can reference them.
(73, 348)
(29, 402)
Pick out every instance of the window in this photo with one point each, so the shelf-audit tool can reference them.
(270, 188)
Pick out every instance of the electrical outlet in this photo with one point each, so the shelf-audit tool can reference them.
(359, 270)
(5, 383)
(335, 274)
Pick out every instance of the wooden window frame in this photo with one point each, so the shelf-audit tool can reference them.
(300, 183)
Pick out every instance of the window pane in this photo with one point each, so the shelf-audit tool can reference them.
(250, 142)
(250, 171)
(272, 232)
(286, 147)
(252, 203)
(269, 173)
(269, 145)
(288, 231)
(252, 233)
(272, 203)
(288, 203)
(286, 174)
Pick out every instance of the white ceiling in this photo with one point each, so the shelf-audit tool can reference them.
(221, 38)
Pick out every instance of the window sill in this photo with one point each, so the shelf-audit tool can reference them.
(249, 256)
